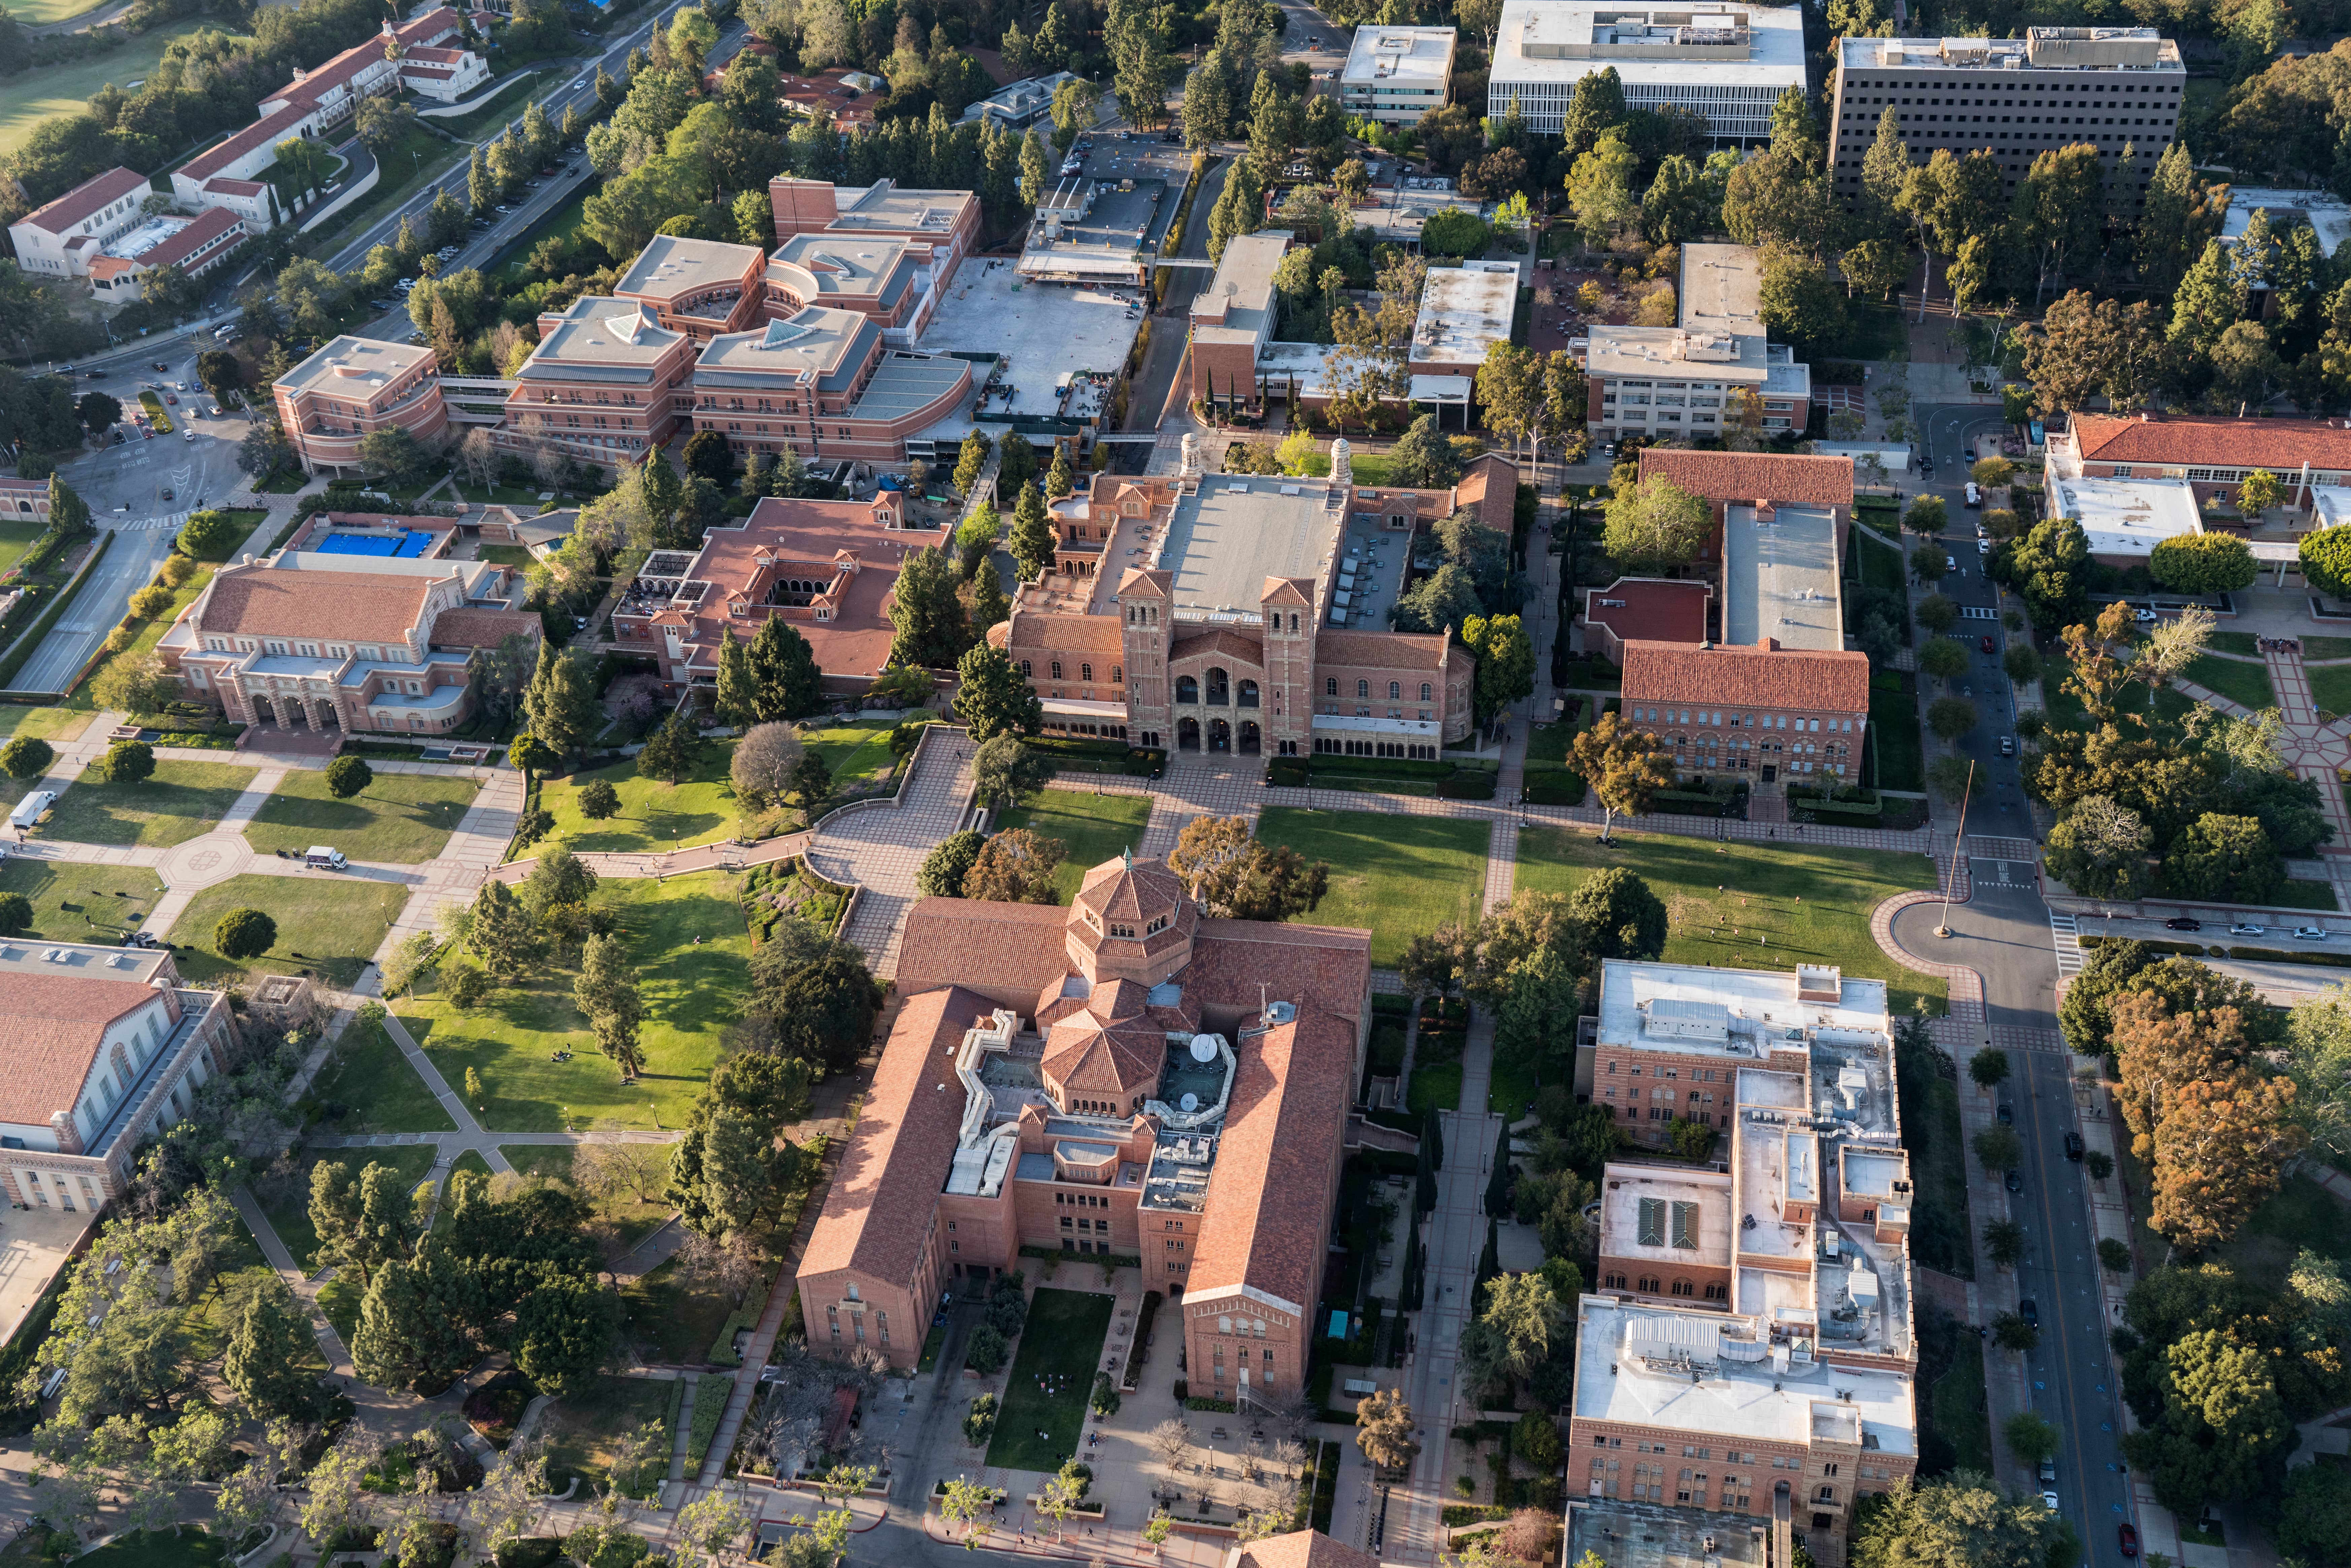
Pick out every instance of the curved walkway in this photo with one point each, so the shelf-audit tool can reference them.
(1967, 986)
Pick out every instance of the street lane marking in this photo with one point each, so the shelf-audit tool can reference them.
(2063, 936)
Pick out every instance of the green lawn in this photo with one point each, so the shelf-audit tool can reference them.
(1397, 876)
(2330, 686)
(1880, 562)
(405, 818)
(50, 723)
(181, 1546)
(690, 993)
(16, 538)
(2246, 685)
(2243, 642)
(385, 1094)
(1436, 1086)
(654, 814)
(76, 903)
(2300, 1216)
(289, 1211)
(631, 1221)
(1813, 908)
(2314, 648)
(856, 753)
(1094, 827)
(582, 1430)
(30, 97)
(1063, 1341)
(671, 1321)
(329, 924)
(1942, 1236)
(1894, 730)
(416, 158)
(1510, 1092)
(1956, 1408)
(517, 556)
(561, 222)
(179, 801)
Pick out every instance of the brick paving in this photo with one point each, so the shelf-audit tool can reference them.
(878, 846)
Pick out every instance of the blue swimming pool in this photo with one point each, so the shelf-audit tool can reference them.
(413, 542)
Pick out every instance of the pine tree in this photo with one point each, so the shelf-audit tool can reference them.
(988, 605)
(784, 671)
(1883, 168)
(1032, 534)
(606, 993)
(925, 612)
(69, 513)
(670, 751)
(1060, 481)
(2174, 224)
(391, 1321)
(664, 489)
(738, 695)
(1034, 171)
(264, 1361)
(502, 935)
(560, 701)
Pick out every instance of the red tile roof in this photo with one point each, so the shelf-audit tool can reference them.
(55, 1024)
(2277, 445)
(1216, 640)
(1051, 632)
(261, 600)
(1302, 1549)
(98, 191)
(1381, 650)
(1655, 609)
(1780, 679)
(210, 225)
(478, 628)
(1750, 477)
(877, 1213)
(1491, 489)
(1006, 952)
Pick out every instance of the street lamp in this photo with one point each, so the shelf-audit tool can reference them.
(1959, 851)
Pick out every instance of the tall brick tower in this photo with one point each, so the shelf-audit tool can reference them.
(1150, 629)
(1289, 606)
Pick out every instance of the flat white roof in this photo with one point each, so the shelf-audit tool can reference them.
(1722, 288)
(1725, 45)
(1752, 1005)
(2127, 517)
(2138, 50)
(1464, 312)
(1780, 578)
(1403, 56)
(1625, 1372)
(2329, 215)
(155, 231)
(1038, 332)
(1689, 1221)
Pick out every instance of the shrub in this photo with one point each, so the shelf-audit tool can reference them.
(121, 637)
(599, 799)
(15, 913)
(126, 762)
(347, 776)
(151, 602)
(244, 933)
(175, 571)
(980, 1420)
(984, 1351)
(465, 986)
(26, 757)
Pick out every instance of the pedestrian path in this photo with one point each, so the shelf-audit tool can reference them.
(2065, 935)
(878, 846)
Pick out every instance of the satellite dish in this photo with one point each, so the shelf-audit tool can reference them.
(1190, 1101)
(1204, 1048)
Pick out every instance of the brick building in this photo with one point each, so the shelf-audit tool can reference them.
(944, 222)
(1751, 1349)
(107, 1050)
(888, 278)
(698, 287)
(345, 643)
(1123, 1079)
(825, 567)
(1225, 613)
(607, 383)
(1645, 610)
(24, 499)
(1746, 478)
(330, 401)
(1689, 379)
(2212, 453)
(1770, 712)
(823, 382)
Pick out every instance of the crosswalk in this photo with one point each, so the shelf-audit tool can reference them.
(1978, 612)
(2068, 943)
(152, 525)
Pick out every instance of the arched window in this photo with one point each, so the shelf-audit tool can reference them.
(1395, 690)
(1715, 1293)
(1187, 690)
(1248, 694)
(1827, 1494)
(1293, 624)
(1220, 685)
(1363, 688)
(1117, 675)
(1424, 689)
(1330, 686)
(1085, 671)
(1648, 1284)
(1683, 1288)
(1057, 669)
(1025, 671)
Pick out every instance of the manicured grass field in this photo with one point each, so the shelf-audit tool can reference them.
(327, 924)
(2314, 648)
(654, 814)
(2330, 686)
(180, 1546)
(384, 1093)
(289, 1213)
(2246, 685)
(856, 753)
(1397, 876)
(30, 97)
(690, 993)
(49, 724)
(1957, 1408)
(177, 802)
(1814, 908)
(508, 555)
(1063, 1341)
(2243, 642)
(1894, 728)
(1094, 827)
(403, 817)
(583, 1431)
(112, 897)
(16, 538)
(671, 1321)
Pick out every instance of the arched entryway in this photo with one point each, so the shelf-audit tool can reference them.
(263, 710)
(1187, 690)
(1248, 694)
(292, 718)
(1187, 735)
(1250, 739)
(1220, 736)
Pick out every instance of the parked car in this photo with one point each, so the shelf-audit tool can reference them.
(2072, 1148)
(1986, 643)
(2185, 923)
(2049, 1501)
(2143, 616)
(2007, 1115)
(2247, 928)
(171, 397)
(2008, 746)
(2127, 1540)
(2048, 1473)
(2311, 933)
(2014, 1182)
(2031, 1313)
(1975, 494)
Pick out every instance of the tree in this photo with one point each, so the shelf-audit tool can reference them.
(348, 776)
(1014, 867)
(1944, 658)
(2114, 1256)
(1422, 458)
(2100, 850)
(1655, 525)
(2214, 1128)
(126, 762)
(925, 615)
(1236, 876)
(210, 535)
(243, 933)
(98, 411)
(1383, 1429)
(993, 698)
(949, 862)
(1600, 189)
(2227, 859)
(1506, 662)
(2011, 1332)
(605, 991)
(1033, 540)
(764, 762)
(557, 877)
(1004, 772)
(26, 757)
(15, 913)
(671, 751)
(1623, 765)
(134, 684)
(1989, 1067)
(502, 935)
(1950, 717)
(1936, 614)
(560, 701)
(2204, 563)
(2021, 664)
(1998, 1149)
(263, 1363)
(2004, 1242)
(1622, 917)
(1799, 301)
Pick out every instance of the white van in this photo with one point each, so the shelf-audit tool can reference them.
(32, 808)
(318, 857)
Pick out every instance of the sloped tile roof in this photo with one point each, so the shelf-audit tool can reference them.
(1774, 678)
(471, 628)
(97, 191)
(261, 600)
(1381, 650)
(1302, 1549)
(1007, 952)
(2277, 445)
(1217, 641)
(55, 1024)
(1750, 477)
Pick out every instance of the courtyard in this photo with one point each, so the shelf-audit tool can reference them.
(328, 926)
(1060, 1348)
(1093, 827)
